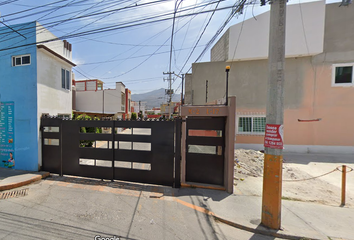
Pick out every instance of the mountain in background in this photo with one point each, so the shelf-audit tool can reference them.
(155, 98)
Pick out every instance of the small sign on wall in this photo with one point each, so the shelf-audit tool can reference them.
(274, 136)
(7, 131)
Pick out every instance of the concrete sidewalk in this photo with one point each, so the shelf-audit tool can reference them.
(300, 220)
(12, 178)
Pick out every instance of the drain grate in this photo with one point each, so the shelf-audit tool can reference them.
(13, 194)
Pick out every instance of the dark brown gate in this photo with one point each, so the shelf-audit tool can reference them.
(205, 149)
(137, 151)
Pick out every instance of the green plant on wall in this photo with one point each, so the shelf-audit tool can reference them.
(88, 143)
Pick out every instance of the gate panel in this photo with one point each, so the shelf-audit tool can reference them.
(205, 144)
(138, 151)
(51, 153)
(149, 165)
(73, 153)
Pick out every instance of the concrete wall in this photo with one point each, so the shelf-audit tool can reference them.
(188, 89)
(247, 81)
(52, 98)
(304, 33)
(44, 34)
(92, 101)
(19, 84)
(220, 51)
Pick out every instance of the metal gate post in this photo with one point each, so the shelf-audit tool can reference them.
(61, 147)
(177, 167)
(113, 129)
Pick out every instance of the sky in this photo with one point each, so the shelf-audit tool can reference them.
(129, 41)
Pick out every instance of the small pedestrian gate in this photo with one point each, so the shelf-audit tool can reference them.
(205, 141)
(137, 151)
(208, 138)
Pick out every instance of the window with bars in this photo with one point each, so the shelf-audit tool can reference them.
(251, 124)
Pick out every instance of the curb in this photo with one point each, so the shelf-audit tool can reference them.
(23, 183)
(267, 232)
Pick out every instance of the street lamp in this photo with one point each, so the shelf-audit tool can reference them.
(227, 85)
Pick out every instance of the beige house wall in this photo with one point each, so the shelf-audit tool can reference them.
(309, 92)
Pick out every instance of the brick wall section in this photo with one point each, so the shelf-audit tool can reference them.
(220, 51)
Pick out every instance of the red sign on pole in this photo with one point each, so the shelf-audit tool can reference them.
(273, 136)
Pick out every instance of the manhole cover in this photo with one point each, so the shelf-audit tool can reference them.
(13, 194)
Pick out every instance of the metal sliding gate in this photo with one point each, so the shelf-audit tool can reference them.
(137, 151)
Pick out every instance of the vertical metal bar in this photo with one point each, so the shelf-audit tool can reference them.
(227, 85)
(113, 148)
(61, 147)
(177, 167)
(42, 142)
(206, 91)
(344, 178)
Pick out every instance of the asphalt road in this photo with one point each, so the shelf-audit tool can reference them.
(56, 209)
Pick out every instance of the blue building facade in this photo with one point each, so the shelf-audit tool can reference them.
(18, 86)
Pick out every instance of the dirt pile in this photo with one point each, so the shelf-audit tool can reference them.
(249, 162)
(298, 183)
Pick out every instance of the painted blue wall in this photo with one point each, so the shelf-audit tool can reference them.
(19, 84)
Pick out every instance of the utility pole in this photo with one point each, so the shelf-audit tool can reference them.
(273, 141)
(169, 91)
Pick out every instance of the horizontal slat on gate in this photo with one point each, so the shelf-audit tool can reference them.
(93, 136)
(94, 123)
(133, 138)
(51, 135)
(211, 124)
(133, 156)
(95, 153)
(212, 141)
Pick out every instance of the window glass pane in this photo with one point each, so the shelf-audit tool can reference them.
(67, 85)
(141, 146)
(63, 78)
(142, 166)
(259, 124)
(245, 124)
(141, 131)
(344, 74)
(26, 60)
(201, 149)
(103, 163)
(120, 130)
(121, 164)
(125, 145)
(51, 129)
(50, 141)
(204, 133)
(18, 61)
(85, 161)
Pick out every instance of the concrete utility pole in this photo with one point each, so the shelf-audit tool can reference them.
(273, 159)
(169, 91)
